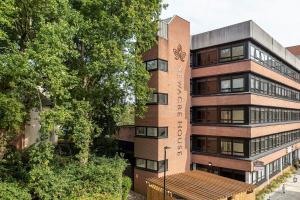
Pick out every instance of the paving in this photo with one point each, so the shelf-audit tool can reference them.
(292, 190)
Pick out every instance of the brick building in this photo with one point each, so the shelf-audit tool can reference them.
(226, 101)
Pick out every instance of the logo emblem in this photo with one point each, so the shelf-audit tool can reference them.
(179, 54)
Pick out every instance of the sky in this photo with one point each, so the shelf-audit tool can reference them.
(279, 18)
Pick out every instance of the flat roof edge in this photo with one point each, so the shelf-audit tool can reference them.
(241, 31)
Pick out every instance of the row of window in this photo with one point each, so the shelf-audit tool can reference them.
(214, 85)
(154, 132)
(266, 60)
(239, 115)
(266, 143)
(151, 165)
(213, 56)
(159, 98)
(156, 64)
(260, 115)
(239, 51)
(241, 146)
(239, 83)
(263, 86)
(274, 168)
(217, 145)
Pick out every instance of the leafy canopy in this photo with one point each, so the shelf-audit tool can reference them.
(83, 57)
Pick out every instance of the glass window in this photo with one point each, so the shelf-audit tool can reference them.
(159, 98)
(208, 57)
(153, 98)
(163, 99)
(152, 131)
(226, 115)
(225, 54)
(151, 164)
(140, 131)
(140, 163)
(212, 115)
(199, 144)
(238, 84)
(226, 146)
(212, 145)
(226, 85)
(238, 147)
(238, 52)
(163, 65)
(238, 116)
(163, 132)
(151, 65)
(161, 165)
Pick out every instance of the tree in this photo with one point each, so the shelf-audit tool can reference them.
(84, 56)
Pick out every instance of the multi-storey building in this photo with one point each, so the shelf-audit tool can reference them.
(226, 101)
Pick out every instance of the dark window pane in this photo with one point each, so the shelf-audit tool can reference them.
(212, 145)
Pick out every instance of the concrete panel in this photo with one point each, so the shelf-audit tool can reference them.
(261, 36)
(223, 35)
(298, 63)
(290, 58)
(278, 49)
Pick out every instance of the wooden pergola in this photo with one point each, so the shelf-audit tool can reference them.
(199, 185)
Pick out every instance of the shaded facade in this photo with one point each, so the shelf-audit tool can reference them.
(232, 109)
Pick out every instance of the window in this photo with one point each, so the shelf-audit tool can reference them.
(140, 163)
(238, 147)
(226, 146)
(163, 65)
(151, 65)
(140, 131)
(159, 98)
(205, 86)
(269, 61)
(204, 144)
(232, 115)
(212, 145)
(151, 132)
(154, 132)
(208, 57)
(205, 115)
(238, 84)
(163, 132)
(226, 115)
(199, 143)
(161, 165)
(152, 165)
(238, 116)
(225, 54)
(156, 64)
(226, 85)
(236, 52)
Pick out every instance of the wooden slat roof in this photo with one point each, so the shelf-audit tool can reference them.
(199, 185)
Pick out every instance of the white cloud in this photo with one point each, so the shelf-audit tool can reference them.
(280, 18)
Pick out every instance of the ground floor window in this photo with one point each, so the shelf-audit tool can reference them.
(229, 173)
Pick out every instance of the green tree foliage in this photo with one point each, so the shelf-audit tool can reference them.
(78, 63)
(83, 56)
(9, 191)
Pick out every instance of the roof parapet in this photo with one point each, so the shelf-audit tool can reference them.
(245, 30)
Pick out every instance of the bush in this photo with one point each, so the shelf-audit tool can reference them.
(100, 178)
(9, 191)
(126, 185)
